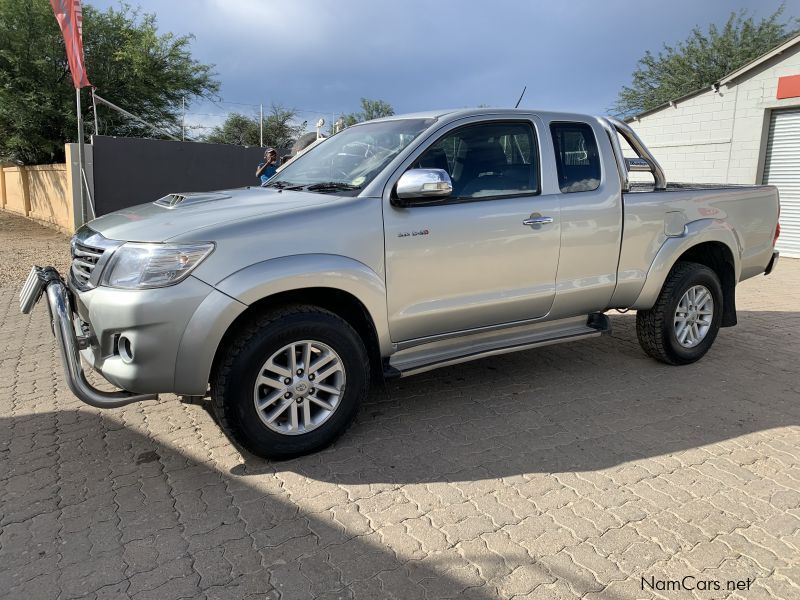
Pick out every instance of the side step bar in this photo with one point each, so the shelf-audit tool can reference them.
(428, 357)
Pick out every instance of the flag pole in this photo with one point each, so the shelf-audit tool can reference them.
(94, 110)
(80, 154)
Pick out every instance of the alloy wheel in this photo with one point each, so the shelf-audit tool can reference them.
(299, 387)
(693, 316)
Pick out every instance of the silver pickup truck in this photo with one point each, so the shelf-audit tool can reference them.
(395, 247)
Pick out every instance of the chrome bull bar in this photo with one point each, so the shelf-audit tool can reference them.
(47, 281)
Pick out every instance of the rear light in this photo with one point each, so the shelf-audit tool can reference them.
(777, 227)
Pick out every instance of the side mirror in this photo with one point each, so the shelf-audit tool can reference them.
(423, 184)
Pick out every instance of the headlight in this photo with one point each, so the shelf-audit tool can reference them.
(139, 266)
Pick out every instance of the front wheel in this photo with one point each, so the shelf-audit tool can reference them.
(291, 382)
(685, 320)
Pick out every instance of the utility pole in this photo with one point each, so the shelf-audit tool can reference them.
(261, 125)
(183, 119)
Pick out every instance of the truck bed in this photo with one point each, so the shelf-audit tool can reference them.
(644, 186)
(747, 214)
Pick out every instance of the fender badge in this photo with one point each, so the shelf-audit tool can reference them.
(403, 234)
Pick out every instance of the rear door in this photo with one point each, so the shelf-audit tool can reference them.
(591, 217)
(470, 261)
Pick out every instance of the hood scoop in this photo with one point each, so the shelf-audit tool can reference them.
(178, 200)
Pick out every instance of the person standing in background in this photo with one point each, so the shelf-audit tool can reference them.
(267, 169)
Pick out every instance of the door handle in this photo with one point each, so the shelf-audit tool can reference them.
(538, 221)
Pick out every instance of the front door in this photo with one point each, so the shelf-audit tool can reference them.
(471, 261)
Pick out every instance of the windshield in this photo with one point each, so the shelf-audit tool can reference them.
(349, 160)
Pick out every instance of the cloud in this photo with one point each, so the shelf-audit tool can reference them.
(323, 56)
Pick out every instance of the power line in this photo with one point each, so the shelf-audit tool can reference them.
(199, 114)
(227, 102)
(299, 110)
(319, 112)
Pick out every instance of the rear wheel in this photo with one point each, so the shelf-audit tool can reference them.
(291, 382)
(685, 320)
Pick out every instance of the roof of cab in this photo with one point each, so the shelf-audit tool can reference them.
(458, 113)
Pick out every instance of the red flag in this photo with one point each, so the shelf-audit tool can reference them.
(70, 19)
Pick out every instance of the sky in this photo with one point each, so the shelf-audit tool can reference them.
(321, 57)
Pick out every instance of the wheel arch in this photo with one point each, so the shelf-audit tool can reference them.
(708, 242)
(719, 258)
(341, 303)
(341, 285)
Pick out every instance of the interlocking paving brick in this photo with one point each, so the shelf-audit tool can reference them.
(565, 472)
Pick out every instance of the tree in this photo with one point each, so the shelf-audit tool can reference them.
(375, 109)
(370, 109)
(349, 120)
(130, 63)
(702, 59)
(280, 129)
(238, 129)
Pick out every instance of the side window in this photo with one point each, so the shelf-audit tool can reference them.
(487, 160)
(577, 159)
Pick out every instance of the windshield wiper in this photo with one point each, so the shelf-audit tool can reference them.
(282, 185)
(332, 186)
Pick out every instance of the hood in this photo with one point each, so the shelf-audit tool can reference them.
(179, 214)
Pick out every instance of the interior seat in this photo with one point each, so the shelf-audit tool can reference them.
(484, 159)
(435, 158)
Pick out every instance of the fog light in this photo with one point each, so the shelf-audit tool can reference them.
(125, 349)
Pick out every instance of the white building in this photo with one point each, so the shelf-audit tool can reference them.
(743, 129)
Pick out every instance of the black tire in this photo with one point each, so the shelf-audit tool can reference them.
(654, 327)
(232, 385)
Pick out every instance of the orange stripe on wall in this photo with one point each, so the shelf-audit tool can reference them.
(789, 87)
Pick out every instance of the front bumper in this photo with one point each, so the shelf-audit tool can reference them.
(153, 321)
(47, 281)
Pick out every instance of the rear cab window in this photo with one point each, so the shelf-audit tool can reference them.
(577, 157)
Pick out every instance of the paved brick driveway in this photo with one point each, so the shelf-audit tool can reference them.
(567, 472)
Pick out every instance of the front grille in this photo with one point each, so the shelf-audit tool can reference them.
(84, 260)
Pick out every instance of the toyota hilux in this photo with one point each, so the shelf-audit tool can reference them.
(392, 248)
